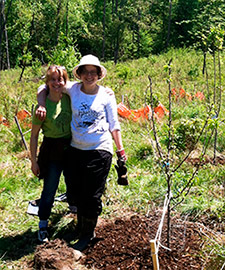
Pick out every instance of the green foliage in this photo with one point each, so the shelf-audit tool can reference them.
(123, 72)
(220, 141)
(186, 133)
(183, 21)
(36, 67)
(120, 31)
(214, 39)
(64, 54)
(144, 152)
(194, 72)
(25, 59)
(208, 25)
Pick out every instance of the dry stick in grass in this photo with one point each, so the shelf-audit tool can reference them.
(19, 100)
(214, 102)
(21, 133)
(220, 84)
(212, 237)
(219, 101)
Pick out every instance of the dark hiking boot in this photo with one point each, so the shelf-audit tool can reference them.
(43, 235)
(83, 242)
(87, 233)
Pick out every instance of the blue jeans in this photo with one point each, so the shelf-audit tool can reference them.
(51, 182)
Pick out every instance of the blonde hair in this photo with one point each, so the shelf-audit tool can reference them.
(59, 69)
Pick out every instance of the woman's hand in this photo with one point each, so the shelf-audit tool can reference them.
(121, 154)
(35, 168)
(41, 113)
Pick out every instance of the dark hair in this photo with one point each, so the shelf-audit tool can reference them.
(81, 68)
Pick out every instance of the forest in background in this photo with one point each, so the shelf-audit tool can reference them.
(42, 31)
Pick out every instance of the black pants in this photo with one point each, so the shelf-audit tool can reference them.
(51, 161)
(86, 173)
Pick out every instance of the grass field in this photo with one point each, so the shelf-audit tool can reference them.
(147, 182)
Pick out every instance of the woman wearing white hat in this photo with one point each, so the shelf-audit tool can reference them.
(94, 123)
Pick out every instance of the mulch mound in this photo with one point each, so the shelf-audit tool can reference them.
(195, 161)
(124, 243)
(54, 255)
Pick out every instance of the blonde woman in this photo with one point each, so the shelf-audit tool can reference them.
(57, 136)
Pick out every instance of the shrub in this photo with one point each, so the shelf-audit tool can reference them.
(186, 133)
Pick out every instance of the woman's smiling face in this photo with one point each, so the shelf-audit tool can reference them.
(89, 75)
(56, 82)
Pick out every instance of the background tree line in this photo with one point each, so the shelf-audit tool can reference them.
(42, 31)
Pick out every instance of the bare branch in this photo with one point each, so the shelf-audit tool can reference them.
(159, 149)
(170, 115)
(189, 184)
(220, 84)
(146, 121)
(200, 134)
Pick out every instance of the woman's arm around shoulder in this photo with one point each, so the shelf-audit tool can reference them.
(33, 149)
(109, 91)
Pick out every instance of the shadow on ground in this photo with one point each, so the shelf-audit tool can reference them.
(15, 247)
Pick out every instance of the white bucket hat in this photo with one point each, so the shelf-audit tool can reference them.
(89, 60)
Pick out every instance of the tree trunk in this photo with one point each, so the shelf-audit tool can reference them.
(21, 74)
(116, 49)
(169, 24)
(116, 6)
(1, 31)
(116, 41)
(6, 42)
(112, 7)
(57, 22)
(103, 37)
(138, 32)
(27, 48)
(67, 12)
(3, 20)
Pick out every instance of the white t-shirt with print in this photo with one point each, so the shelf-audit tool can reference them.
(93, 118)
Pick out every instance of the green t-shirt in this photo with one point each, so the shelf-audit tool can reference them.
(58, 118)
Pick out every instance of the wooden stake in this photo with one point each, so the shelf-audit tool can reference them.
(154, 255)
(21, 133)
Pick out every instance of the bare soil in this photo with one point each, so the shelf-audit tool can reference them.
(124, 243)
